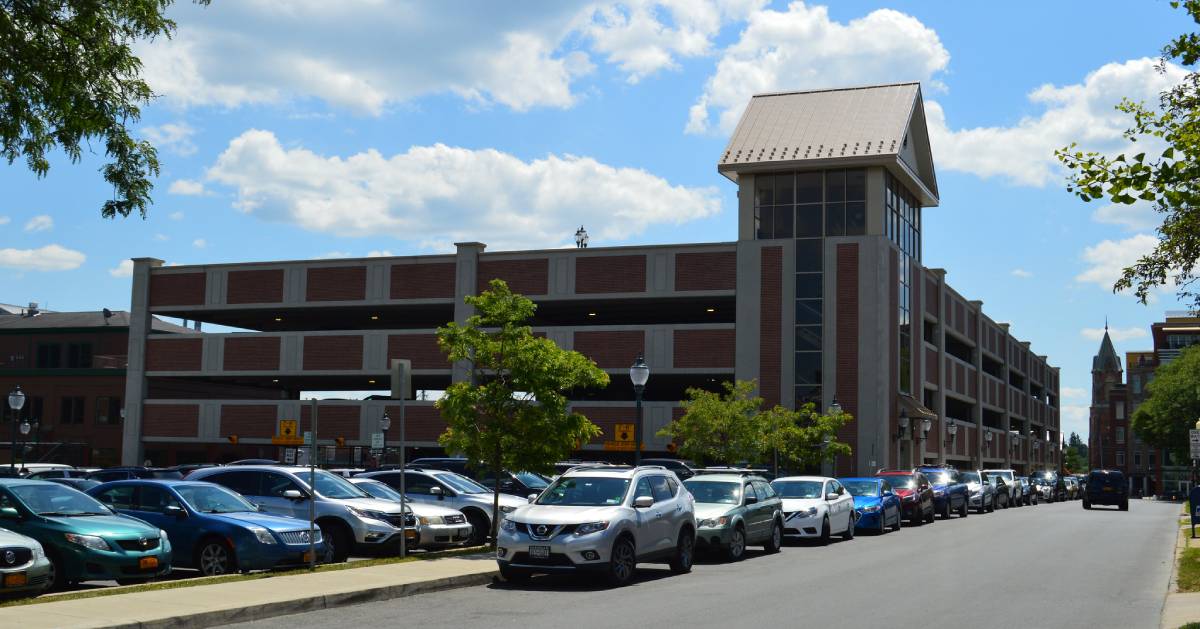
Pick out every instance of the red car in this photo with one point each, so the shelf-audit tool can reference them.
(915, 492)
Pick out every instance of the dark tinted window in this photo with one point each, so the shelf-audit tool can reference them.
(155, 499)
(274, 484)
(417, 484)
(118, 497)
(244, 483)
(658, 484)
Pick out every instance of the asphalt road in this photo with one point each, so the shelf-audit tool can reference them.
(1050, 565)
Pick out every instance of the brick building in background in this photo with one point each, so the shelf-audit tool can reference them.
(71, 366)
(821, 295)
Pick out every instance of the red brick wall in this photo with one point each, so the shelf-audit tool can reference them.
(337, 283)
(252, 353)
(610, 274)
(423, 281)
(704, 348)
(174, 354)
(333, 421)
(527, 277)
(171, 420)
(421, 349)
(607, 418)
(176, 289)
(847, 348)
(333, 352)
(249, 420)
(255, 287)
(421, 423)
(770, 305)
(716, 270)
(611, 349)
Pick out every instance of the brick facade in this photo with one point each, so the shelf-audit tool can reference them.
(527, 277)
(611, 350)
(847, 309)
(421, 349)
(429, 280)
(704, 348)
(336, 283)
(248, 421)
(770, 317)
(171, 420)
(715, 270)
(177, 289)
(610, 274)
(332, 353)
(255, 287)
(174, 354)
(259, 353)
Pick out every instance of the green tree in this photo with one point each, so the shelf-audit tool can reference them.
(68, 75)
(1170, 181)
(798, 436)
(513, 413)
(1172, 405)
(1073, 460)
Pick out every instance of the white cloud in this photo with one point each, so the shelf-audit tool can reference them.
(802, 48)
(1117, 334)
(1022, 273)
(1108, 258)
(379, 254)
(161, 237)
(48, 258)
(186, 187)
(1075, 419)
(123, 269)
(199, 243)
(330, 255)
(1139, 216)
(420, 196)
(1074, 393)
(39, 223)
(176, 216)
(4, 220)
(1081, 112)
(175, 137)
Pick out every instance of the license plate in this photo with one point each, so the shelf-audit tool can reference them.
(410, 534)
(148, 563)
(539, 552)
(1108, 489)
(15, 580)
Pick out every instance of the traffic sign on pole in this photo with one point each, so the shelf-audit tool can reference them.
(1194, 441)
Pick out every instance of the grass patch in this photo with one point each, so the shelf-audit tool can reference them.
(1191, 625)
(1189, 570)
(230, 578)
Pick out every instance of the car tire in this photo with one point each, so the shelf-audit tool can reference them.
(848, 534)
(55, 579)
(775, 540)
(1087, 505)
(338, 540)
(622, 562)
(882, 522)
(963, 510)
(480, 528)
(1124, 506)
(214, 558)
(736, 551)
(932, 516)
(685, 553)
(513, 575)
(825, 532)
(899, 521)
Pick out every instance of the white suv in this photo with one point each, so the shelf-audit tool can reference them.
(605, 519)
(1010, 481)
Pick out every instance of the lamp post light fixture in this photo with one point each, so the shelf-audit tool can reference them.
(581, 238)
(16, 400)
(951, 434)
(385, 422)
(903, 425)
(639, 373)
(926, 424)
(987, 437)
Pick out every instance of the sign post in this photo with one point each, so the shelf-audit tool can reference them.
(401, 386)
(311, 438)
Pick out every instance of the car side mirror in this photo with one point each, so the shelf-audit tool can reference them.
(506, 484)
(293, 494)
(643, 502)
(175, 511)
(259, 507)
(887, 492)
(10, 513)
(437, 491)
(831, 496)
(532, 497)
(751, 499)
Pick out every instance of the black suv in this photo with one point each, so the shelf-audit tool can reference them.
(521, 484)
(1106, 487)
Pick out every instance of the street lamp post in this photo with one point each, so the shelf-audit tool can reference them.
(639, 373)
(16, 400)
(834, 410)
(385, 422)
(24, 428)
(987, 437)
(900, 435)
(581, 238)
(952, 434)
(926, 424)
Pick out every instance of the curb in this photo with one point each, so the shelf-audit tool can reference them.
(308, 603)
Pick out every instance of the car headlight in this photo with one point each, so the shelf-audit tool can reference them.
(368, 514)
(811, 512)
(88, 541)
(264, 536)
(507, 509)
(590, 527)
(712, 523)
(506, 524)
(162, 534)
(938, 493)
(426, 520)
(38, 553)
(871, 509)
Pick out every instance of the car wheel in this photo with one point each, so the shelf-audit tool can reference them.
(916, 518)
(622, 563)
(848, 534)
(513, 575)
(899, 521)
(1124, 506)
(824, 539)
(932, 516)
(946, 510)
(479, 528)
(737, 545)
(337, 540)
(55, 578)
(684, 551)
(962, 511)
(775, 541)
(214, 558)
(882, 522)
(1087, 505)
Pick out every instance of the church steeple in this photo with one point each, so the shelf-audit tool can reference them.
(1107, 359)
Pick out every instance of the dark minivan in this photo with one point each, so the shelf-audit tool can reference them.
(1106, 487)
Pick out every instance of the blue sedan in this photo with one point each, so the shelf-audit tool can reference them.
(875, 504)
(212, 529)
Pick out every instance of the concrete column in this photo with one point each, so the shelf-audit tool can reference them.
(977, 410)
(940, 335)
(1006, 421)
(135, 368)
(466, 276)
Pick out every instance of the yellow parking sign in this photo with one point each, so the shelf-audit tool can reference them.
(623, 432)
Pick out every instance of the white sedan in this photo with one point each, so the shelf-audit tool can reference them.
(815, 507)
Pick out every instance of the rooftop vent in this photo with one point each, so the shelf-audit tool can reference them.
(32, 310)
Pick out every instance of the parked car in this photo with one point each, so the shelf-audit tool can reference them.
(212, 529)
(46, 471)
(83, 539)
(1073, 490)
(1029, 496)
(1106, 487)
(440, 526)
(876, 506)
(188, 468)
(601, 519)
(254, 462)
(447, 489)
(562, 467)
(519, 484)
(815, 507)
(82, 484)
(1050, 486)
(683, 468)
(950, 493)
(734, 511)
(349, 517)
(129, 473)
(1001, 492)
(983, 493)
(24, 568)
(915, 492)
(1014, 491)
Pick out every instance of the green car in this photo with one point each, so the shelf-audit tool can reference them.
(734, 511)
(84, 540)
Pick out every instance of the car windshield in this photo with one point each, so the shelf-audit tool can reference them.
(166, 474)
(585, 491)
(531, 480)
(862, 488)
(715, 492)
(462, 484)
(55, 500)
(902, 481)
(970, 477)
(1111, 479)
(334, 486)
(938, 478)
(378, 490)
(213, 499)
(798, 488)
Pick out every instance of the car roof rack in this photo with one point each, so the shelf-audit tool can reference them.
(741, 471)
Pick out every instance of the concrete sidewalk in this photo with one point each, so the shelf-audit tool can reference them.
(222, 603)
(1180, 608)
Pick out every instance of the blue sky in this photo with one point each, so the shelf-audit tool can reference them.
(308, 128)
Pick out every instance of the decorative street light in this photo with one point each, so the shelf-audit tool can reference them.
(926, 424)
(16, 400)
(951, 433)
(581, 238)
(835, 408)
(903, 425)
(639, 373)
(385, 422)
(987, 436)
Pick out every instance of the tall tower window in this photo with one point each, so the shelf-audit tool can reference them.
(902, 225)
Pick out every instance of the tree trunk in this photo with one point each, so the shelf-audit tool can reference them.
(495, 497)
